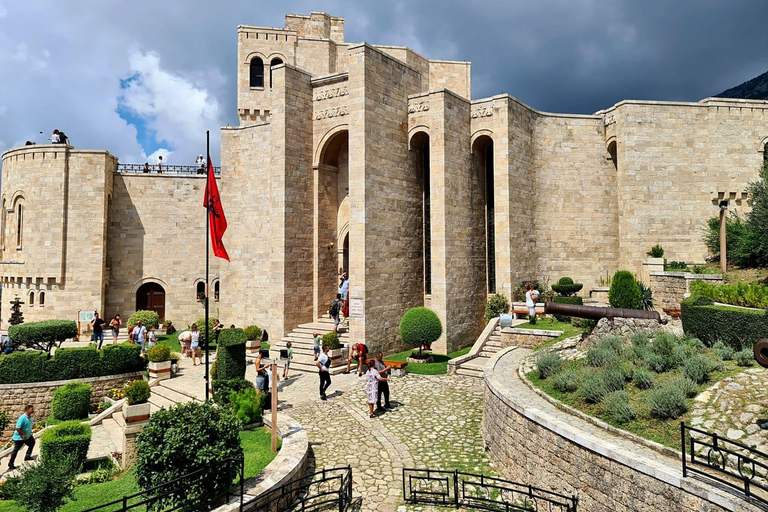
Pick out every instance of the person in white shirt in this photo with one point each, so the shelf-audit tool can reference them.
(323, 365)
(140, 336)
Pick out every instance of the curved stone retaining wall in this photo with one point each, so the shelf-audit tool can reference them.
(532, 441)
(13, 397)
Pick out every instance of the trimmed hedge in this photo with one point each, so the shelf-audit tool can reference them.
(148, 319)
(71, 401)
(738, 328)
(231, 358)
(42, 335)
(420, 326)
(70, 438)
(566, 287)
(70, 363)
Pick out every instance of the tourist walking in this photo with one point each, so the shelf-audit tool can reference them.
(97, 324)
(323, 365)
(114, 324)
(140, 336)
(22, 435)
(316, 348)
(372, 379)
(344, 291)
(334, 311)
(384, 371)
(194, 345)
(287, 367)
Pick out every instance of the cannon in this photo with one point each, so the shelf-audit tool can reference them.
(761, 353)
(594, 313)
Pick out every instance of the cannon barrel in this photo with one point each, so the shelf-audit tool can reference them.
(761, 353)
(594, 313)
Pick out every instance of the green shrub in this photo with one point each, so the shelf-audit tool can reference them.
(71, 401)
(46, 486)
(642, 378)
(676, 266)
(738, 328)
(24, 366)
(664, 344)
(332, 340)
(223, 388)
(211, 327)
(5, 418)
(612, 342)
(624, 291)
(614, 378)
(659, 363)
(65, 439)
(593, 389)
(549, 364)
(420, 326)
(566, 287)
(751, 295)
(681, 354)
(247, 405)
(667, 401)
(183, 439)
(231, 354)
(723, 351)
(618, 408)
(42, 335)
(566, 381)
(159, 353)
(148, 319)
(744, 357)
(686, 385)
(497, 304)
(601, 356)
(121, 358)
(74, 363)
(656, 252)
(252, 333)
(646, 296)
(697, 368)
(137, 392)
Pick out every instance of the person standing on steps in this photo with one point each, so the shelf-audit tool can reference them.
(383, 370)
(115, 325)
(22, 435)
(334, 311)
(288, 361)
(323, 365)
(97, 324)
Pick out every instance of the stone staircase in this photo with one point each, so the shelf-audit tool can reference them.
(302, 343)
(165, 396)
(474, 367)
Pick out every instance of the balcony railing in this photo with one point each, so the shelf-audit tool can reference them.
(165, 169)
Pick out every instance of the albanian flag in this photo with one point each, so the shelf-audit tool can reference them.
(216, 219)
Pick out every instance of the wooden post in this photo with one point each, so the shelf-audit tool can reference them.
(723, 211)
(274, 406)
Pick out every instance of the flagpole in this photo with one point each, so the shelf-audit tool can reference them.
(207, 257)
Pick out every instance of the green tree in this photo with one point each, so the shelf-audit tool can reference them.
(420, 326)
(624, 291)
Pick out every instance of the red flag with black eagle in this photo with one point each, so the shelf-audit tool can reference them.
(216, 219)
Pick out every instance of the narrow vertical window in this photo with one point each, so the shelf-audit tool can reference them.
(200, 291)
(490, 228)
(42, 299)
(275, 62)
(216, 291)
(19, 224)
(31, 298)
(257, 72)
(427, 225)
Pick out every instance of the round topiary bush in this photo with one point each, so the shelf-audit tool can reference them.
(159, 353)
(566, 287)
(185, 438)
(420, 326)
(497, 305)
(137, 392)
(624, 291)
(148, 319)
(70, 438)
(252, 333)
(71, 401)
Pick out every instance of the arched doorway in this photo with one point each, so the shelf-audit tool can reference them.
(482, 161)
(151, 297)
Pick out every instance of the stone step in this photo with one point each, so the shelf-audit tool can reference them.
(160, 401)
(491, 343)
(169, 394)
(477, 363)
(115, 432)
(469, 372)
(118, 418)
(101, 445)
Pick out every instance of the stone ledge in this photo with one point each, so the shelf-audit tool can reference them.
(58, 383)
(531, 332)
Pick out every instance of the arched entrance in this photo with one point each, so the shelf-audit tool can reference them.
(151, 297)
(331, 244)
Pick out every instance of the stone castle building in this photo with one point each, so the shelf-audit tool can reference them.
(375, 160)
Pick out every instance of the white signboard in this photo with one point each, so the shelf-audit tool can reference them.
(356, 307)
(86, 316)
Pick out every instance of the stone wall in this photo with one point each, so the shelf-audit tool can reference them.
(625, 327)
(526, 338)
(13, 397)
(541, 445)
(670, 288)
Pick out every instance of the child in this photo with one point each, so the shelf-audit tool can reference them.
(288, 345)
(316, 348)
(151, 337)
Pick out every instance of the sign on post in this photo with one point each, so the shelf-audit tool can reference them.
(356, 307)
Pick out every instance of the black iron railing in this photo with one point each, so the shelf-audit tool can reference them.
(479, 492)
(188, 170)
(329, 489)
(728, 462)
(187, 492)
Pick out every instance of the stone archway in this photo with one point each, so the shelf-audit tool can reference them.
(151, 297)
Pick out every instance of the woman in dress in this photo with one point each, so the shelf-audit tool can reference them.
(114, 324)
(372, 378)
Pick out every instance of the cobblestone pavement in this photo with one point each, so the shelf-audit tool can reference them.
(435, 424)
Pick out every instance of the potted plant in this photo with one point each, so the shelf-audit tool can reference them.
(159, 362)
(335, 348)
(137, 409)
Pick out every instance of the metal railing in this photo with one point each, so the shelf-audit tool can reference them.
(329, 489)
(479, 492)
(183, 492)
(730, 463)
(187, 170)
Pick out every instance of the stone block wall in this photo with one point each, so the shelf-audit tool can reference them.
(13, 397)
(670, 288)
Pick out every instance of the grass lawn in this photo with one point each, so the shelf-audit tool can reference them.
(551, 324)
(172, 340)
(256, 446)
(439, 367)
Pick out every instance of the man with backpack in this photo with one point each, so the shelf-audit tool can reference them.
(334, 311)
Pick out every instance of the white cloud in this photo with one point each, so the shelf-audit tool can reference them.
(3, 12)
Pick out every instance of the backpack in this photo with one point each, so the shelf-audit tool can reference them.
(335, 307)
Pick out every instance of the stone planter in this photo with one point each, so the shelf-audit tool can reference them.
(252, 346)
(337, 357)
(136, 413)
(160, 370)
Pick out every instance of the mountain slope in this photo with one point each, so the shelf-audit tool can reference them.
(755, 89)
